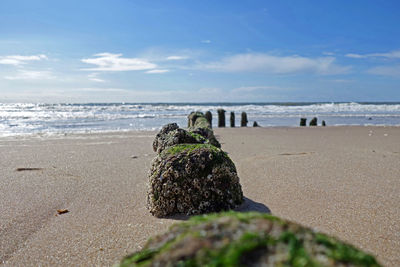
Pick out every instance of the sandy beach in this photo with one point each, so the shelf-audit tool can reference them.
(343, 181)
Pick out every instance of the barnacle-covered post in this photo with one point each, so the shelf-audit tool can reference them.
(313, 122)
(232, 119)
(303, 121)
(191, 174)
(221, 117)
(244, 121)
(192, 117)
(193, 179)
(208, 116)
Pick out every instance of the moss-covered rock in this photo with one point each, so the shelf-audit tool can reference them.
(199, 124)
(193, 116)
(192, 179)
(245, 239)
(171, 135)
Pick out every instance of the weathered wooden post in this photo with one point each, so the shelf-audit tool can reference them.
(232, 119)
(313, 122)
(244, 121)
(208, 116)
(221, 117)
(255, 124)
(303, 121)
(323, 123)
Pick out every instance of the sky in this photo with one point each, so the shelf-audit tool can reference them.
(199, 51)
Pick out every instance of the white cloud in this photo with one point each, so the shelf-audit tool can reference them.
(340, 81)
(102, 90)
(16, 60)
(386, 70)
(176, 58)
(248, 89)
(206, 41)
(115, 62)
(94, 77)
(265, 63)
(31, 75)
(390, 55)
(156, 71)
(328, 53)
(355, 56)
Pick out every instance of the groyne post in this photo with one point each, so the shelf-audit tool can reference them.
(244, 121)
(221, 117)
(314, 121)
(208, 116)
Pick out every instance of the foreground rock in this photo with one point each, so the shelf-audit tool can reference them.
(245, 239)
(192, 179)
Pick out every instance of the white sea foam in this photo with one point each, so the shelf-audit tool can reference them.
(27, 118)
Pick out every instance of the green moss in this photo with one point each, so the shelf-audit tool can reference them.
(293, 246)
(241, 216)
(198, 137)
(141, 258)
(189, 148)
(345, 253)
(201, 122)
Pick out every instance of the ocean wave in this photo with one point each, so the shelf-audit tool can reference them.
(21, 118)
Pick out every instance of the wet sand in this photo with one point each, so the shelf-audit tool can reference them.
(344, 181)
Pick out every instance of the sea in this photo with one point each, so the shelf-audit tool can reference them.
(60, 119)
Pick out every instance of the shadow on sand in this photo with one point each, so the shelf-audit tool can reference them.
(248, 205)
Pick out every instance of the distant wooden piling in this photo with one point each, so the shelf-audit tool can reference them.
(314, 121)
(232, 119)
(323, 123)
(255, 124)
(208, 116)
(244, 121)
(303, 121)
(221, 117)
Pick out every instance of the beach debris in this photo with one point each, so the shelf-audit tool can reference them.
(244, 121)
(221, 117)
(134, 157)
(28, 169)
(232, 119)
(193, 179)
(303, 121)
(62, 211)
(313, 122)
(245, 239)
(208, 116)
(323, 123)
(255, 124)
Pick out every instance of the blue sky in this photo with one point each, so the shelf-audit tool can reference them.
(199, 51)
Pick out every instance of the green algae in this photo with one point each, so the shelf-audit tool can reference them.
(198, 137)
(190, 148)
(292, 245)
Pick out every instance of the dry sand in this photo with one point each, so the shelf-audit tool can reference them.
(344, 181)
